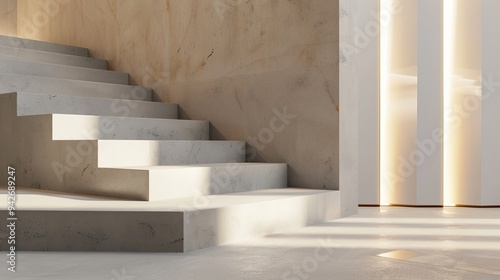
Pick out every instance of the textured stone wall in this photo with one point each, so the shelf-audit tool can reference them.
(8, 17)
(265, 71)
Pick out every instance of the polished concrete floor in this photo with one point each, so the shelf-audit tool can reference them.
(387, 243)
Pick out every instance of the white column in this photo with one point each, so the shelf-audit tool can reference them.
(368, 29)
(348, 108)
(490, 110)
(428, 154)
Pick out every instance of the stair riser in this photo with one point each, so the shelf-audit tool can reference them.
(42, 46)
(71, 127)
(53, 58)
(150, 153)
(199, 181)
(173, 231)
(97, 231)
(44, 85)
(36, 104)
(8, 66)
(71, 166)
(209, 228)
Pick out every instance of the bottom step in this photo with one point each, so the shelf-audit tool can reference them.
(51, 221)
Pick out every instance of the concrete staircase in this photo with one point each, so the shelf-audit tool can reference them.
(106, 169)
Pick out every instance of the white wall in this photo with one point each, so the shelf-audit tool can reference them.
(349, 82)
(490, 108)
(368, 90)
(429, 149)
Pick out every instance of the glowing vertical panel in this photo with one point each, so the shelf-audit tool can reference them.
(462, 104)
(385, 62)
(449, 34)
(398, 101)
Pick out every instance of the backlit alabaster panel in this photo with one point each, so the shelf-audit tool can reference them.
(398, 102)
(462, 102)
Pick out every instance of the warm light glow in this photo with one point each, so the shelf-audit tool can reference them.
(385, 62)
(449, 38)
(398, 101)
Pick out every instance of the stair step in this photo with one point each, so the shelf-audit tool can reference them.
(78, 127)
(180, 225)
(40, 104)
(54, 86)
(168, 182)
(122, 153)
(50, 57)
(10, 66)
(42, 46)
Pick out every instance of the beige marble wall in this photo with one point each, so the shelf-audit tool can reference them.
(236, 63)
(8, 17)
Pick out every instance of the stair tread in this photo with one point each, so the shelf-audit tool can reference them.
(119, 153)
(30, 104)
(169, 167)
(172, 141)
(70, 87)
(103, 99)
(40, 45)
(21, 67)
(92, 127)
(41, 56)
(39, 200)
(121, 118)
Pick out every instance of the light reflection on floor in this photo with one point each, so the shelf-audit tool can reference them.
(388, 243)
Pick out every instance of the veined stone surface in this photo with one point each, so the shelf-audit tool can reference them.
(8, 17)
(232, 62)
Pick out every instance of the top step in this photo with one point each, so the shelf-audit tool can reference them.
(42, 46)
